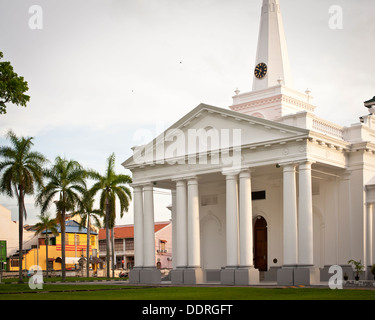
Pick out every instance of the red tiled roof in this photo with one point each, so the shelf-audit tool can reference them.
(127, 231)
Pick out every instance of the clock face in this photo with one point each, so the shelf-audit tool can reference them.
(260, 70)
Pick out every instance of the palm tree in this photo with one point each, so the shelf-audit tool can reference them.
(112, 187)
(86, 212)
(66, 179)
(48, 225)
(22, 169)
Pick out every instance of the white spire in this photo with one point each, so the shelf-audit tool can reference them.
(272, 49)
(273, 96)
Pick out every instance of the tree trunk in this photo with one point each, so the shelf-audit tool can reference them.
(107, 236)
(88, 247)
(63, 274)
(20, 231)
(113, 252)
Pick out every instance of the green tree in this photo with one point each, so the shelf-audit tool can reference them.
(12, 87)
(111, 186)
(49, 226)
(65, 183)
(87, 213)
(22, 170)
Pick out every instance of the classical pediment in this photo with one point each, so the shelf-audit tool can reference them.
(209, 131)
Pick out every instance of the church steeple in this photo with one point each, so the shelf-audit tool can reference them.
(272, 65)
(273, 96)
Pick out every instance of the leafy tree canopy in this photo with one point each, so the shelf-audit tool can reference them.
(12, 87)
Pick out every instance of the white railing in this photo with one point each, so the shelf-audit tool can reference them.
(328, 128)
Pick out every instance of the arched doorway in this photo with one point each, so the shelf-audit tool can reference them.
(260, 244)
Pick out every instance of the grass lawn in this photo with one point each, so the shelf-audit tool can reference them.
(121, 292)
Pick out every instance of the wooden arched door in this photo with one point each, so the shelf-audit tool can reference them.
(260, 244)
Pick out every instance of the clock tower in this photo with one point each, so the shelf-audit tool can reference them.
(272, 96)
(272, 50)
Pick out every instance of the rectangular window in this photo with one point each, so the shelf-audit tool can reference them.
(209, 200)
(119, 245)
(129, 244)
(258, 195)
(162, 245)
(102, 245)
(76, 239)
(14, 262)
(50, 264)
(51, 241)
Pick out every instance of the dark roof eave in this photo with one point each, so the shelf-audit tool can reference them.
(370, 102)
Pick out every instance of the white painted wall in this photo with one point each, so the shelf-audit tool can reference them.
(9, 232)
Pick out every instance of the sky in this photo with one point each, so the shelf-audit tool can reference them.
(101, 70)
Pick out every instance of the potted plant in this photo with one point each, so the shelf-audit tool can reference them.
(358, 267)
(346, 277)
(373, 270)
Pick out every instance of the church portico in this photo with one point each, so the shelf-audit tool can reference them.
(223, 205)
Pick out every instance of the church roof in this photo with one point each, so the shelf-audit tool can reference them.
(204, 110)
(72, 226)
(127, 231)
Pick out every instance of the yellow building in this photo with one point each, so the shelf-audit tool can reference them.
(75, 248)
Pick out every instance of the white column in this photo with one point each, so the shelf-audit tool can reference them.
(232, 219)
(369, 234)
(174, 230)
(246, 225)
(194, 255)
(372, 213)
(181, 216)
(290, 216)
(149, 228)
(138, 226)
(305, 215)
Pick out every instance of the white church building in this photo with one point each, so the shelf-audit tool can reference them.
(263, 187)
